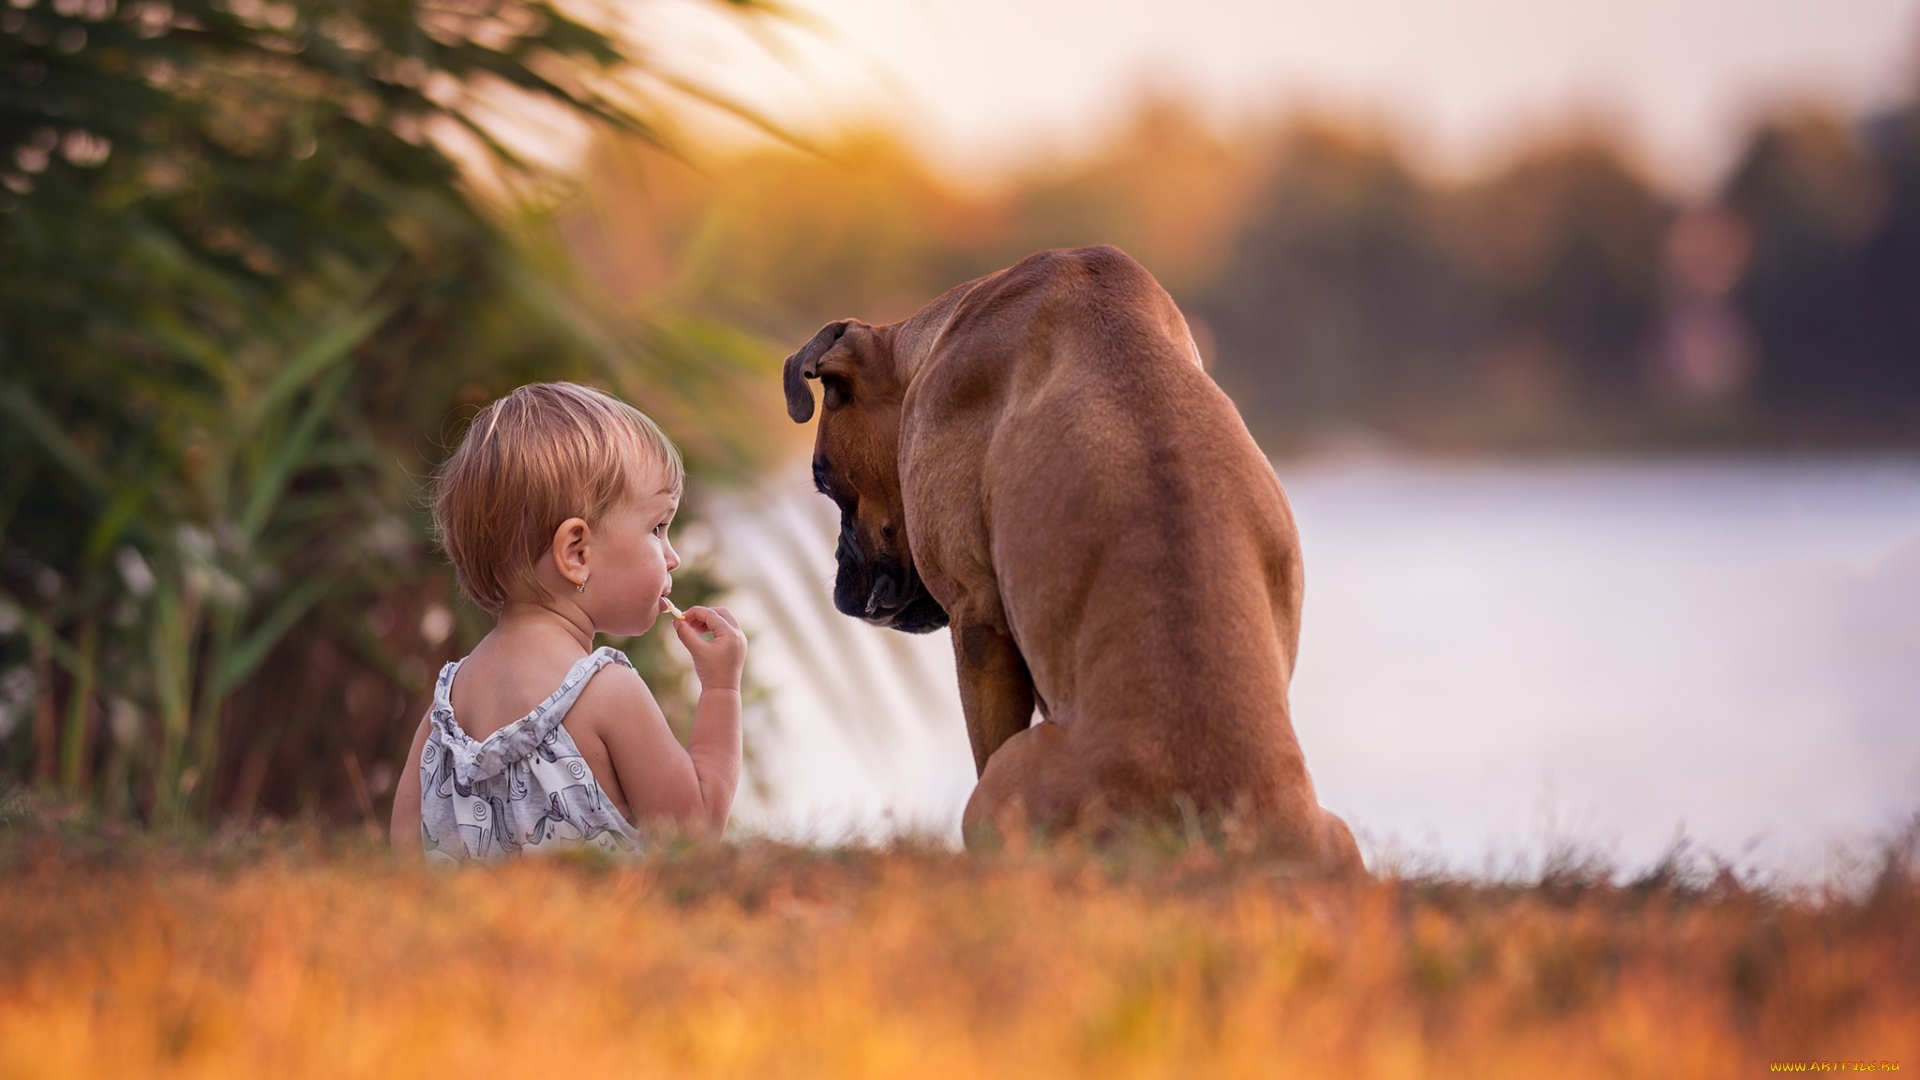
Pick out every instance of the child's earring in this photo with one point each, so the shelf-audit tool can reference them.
(582, 587)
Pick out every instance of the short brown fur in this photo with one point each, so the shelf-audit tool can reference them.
(1040, 451)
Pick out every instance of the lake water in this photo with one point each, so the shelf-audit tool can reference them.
(1496, 658)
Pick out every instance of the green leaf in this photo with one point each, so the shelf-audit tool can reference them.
(119, 514)
(327, 350)
(43, 429)
(41, 632)
(290, 454)
(245, 657)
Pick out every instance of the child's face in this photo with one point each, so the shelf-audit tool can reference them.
(632, 559)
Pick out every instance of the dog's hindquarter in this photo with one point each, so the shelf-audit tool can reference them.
(1161, 631)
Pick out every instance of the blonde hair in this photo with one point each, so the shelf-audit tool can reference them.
(529, 461)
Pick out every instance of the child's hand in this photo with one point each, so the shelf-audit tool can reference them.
(716, 663)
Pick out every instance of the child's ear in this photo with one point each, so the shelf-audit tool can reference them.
(570, 543)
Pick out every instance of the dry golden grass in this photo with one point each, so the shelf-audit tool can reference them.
(296, 954)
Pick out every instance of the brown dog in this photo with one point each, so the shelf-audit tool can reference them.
(1038, 458)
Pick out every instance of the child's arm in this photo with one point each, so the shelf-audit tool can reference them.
(404, 830)
(692, 787)
(714, 744)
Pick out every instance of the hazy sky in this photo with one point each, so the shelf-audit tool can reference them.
(981, 84)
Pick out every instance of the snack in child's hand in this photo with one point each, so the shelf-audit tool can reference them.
(678, 615)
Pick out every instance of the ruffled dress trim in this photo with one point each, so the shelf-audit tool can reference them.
(477, 759)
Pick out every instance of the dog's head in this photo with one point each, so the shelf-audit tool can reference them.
(856, 463)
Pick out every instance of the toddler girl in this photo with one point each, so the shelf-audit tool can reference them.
(554, 509)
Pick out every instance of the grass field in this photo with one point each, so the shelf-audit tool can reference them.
(293, 953)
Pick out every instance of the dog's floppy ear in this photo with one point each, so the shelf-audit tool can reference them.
(805, 365)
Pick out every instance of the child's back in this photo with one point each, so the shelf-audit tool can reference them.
(555, 509)
(517, 786)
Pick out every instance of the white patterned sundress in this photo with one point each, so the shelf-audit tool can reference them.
(524, 789)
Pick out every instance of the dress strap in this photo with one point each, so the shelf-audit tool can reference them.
(474, 759)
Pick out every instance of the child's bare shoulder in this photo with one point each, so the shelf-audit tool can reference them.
(616, 696)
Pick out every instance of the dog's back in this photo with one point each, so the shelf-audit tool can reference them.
(1141, 547)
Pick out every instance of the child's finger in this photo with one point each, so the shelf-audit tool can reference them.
(713, 620)
(690, 631)
(702, 626)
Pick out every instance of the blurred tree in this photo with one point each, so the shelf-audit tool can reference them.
(795, 241)
(1338, 299)
(1833, 291)
(1564, 246)
(1561, 299)
(1166, 190)
(786, 241)
(248, 269)
(1360, 292)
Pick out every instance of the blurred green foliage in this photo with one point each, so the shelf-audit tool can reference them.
(255, 257)
(1834, 286)
(1513, 306)
(1566, 301)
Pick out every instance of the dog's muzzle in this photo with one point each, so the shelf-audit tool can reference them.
(882, 591)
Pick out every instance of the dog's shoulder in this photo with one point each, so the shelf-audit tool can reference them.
(1099, 274)
(1097, 291)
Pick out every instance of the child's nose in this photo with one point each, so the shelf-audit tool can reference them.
(673, 557)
